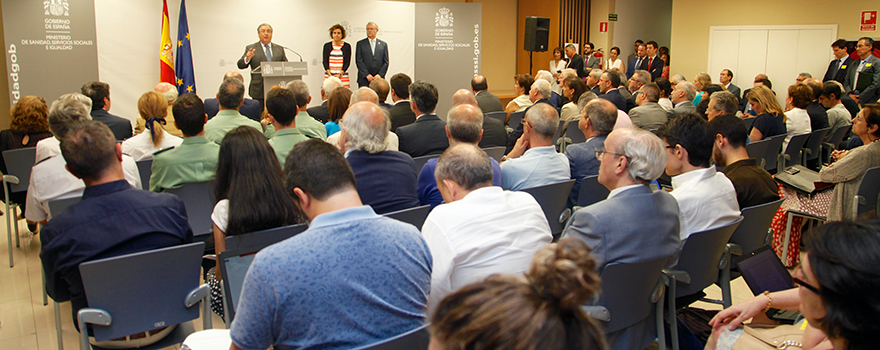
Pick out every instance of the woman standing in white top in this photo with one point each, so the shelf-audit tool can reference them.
(556, 67)
(797, 119)
(614, 61)
(153, 107)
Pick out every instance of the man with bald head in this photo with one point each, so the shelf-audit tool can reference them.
(381, 87)
(386, 180)
(494, 133)
(485, 99)
(170, 93)
(249, 108)
(533, 161)
(539, 94)
(364, 94)
(818, 116)
(472, 236)
(649, 115)
(744, 104)
(463, 125)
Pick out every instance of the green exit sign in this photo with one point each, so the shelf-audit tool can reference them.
(612, 17)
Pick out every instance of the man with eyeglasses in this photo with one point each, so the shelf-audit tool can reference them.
(596, 122)
(863, 76)
(616, 229)
(533, 161)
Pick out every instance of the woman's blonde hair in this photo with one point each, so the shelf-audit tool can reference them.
(153, 104)
(767, 99)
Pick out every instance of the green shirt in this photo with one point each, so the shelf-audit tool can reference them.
(307, 125)
(226, 120)
(195, 160)
(284, 140)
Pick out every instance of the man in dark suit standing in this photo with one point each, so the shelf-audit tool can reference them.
(837, 68)
(401, 113)
(371, 56)
(428, 134)
(636, 62)
(574, 61)
(863, 76)
(257, 53)
(485, 99)
(652, 63)
(99, 93)
(608, 84)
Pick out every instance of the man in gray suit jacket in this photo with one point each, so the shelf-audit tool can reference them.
(863, 76)
(371, 56)
(257, 53)
(725, 78)
(615, 229)
(649, 115)
(487, 101)
(682, 96)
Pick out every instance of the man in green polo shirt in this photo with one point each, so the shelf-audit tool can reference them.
(230, 97)
(195, 160)
(282, 109)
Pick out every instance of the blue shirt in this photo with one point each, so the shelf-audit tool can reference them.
(427, 185)
(351, 279)
(112, 219)
(331, 127)
(537, 167)
(386, 180)
(582, 163)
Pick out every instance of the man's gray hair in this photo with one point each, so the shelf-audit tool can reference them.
(364, 94)
(265, 24)
(170, 91)
(678, 78)
(690, 91)
(545, 75)
(725, 101)
(543, 118)
(365, 126)
(66, 110)
(300, 92)
(568, 72)
(596, 73)
(466, 165)
(465, 122)
(572, 46)
(231, 93)
(645, 153)
(543, 87)
(642, 76)
(805, 74)
(330, 84)
(585, 98)
(620, 75)
(602, 114)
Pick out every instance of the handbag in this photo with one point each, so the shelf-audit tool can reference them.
(770, 337)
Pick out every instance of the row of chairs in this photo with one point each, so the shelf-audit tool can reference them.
(802, 148)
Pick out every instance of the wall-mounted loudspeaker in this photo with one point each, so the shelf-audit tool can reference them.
(537, 34)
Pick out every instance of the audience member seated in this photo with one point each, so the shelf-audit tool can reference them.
(321, 112)
(386, 180)
(428, 134)
(818, 116)
(401, 113)
(51, 146)
(381, 87)
(362, 94)
(572, 89)
(249, 191)
(838, 115)
(665, 92)
(701, 82)
(249, 107)
(169, 92)
(352, 279)
(472, 236)
(533, 161)
(540, 93)
(597, 121)
(706, 198)
(592, 80)
(308, 126)
(849, 167)
(281, 108)
(745, 104)
(722, 102)
(555, 99)
(649, 115)
(151, 220)
(708, 91)
(770, 119)
(682, 95)
(153, 108)
(797, 120)
(99, 93)
(336, 104)
(195, 160)
(464, 121)
(608, 84)
(28, 126)
(50, 178)
(486, 100)
(522, 86)
(230, 96)
(493, 132)
(835, 291)
(633, 85)
(614, 228)
(753, 184)
(521, 312)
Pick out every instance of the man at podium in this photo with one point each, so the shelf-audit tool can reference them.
(257, 53)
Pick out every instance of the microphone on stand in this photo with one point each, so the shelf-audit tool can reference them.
(288, 49)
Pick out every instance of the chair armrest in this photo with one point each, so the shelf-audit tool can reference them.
(196, 295)
(659, 289)
(11, 179)
(93, 316)
(678, 275)
(210, 257)
(563, 217)
(598, 312)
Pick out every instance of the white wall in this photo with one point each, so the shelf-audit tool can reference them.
(129, 33)
(646, 19)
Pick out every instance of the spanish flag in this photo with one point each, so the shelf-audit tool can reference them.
(166, 59)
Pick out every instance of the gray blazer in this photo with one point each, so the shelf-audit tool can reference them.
(869, 94)
(735, 90)
(255, 91)
(684, 108)
(488, 102)
(649, 116)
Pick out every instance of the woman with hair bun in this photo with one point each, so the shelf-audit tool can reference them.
(541, 310)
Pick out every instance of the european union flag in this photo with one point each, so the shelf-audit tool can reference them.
(186, 78)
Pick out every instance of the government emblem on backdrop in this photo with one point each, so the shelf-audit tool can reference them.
(443, 18)
(56, 7)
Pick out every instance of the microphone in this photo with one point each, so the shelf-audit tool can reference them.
(288, 49)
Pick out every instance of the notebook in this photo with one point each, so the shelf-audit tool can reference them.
(763, 271)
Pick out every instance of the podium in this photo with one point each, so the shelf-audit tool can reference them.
(275, 73)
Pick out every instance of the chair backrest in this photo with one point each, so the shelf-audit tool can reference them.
(416, 339)
(591, 191)
(793, 150)
(516, 119)
(558, 132)
(495, 152)
(57, 206)
(415, 216)
(501, 116)
(749, 121)
(264, 237)
(19, 163)
(838, 134)
(869, 189)
(626, 292)
(575, 134)
(758, 150)
(145, 168)
(421, 161)
(553, 199)
(143, 291)
(774, 147)
(198, 198)
(700, 256)
(752, 231)
(814, 143)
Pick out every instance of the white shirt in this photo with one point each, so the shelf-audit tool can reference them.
(220, 215)
(706, 200)
(51, 180)
(615, 191)
(665, 103)
(797, 121)
(47, 147)
(141, 147)
(488, 231)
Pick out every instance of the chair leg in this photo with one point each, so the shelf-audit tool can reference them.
(45, 295)
(673, 324)
(58, 326)
(15, 225)
(787, 237)
(725, 282)
(8, 232)
(661, 334)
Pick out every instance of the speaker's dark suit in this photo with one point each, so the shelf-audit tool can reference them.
(256, 89)
(369, 62)
(426, 136)
(401, 115)
(837, 73)
(656, 68)
(577, 63)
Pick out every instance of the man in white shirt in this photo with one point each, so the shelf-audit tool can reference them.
(706, 198)
(473, 235)
(533, 161)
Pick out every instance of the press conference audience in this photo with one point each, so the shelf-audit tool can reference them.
(648, 114)
(522, 84)
(849, 167)
(401, 113)
(169, 92)
(572, 89)
(99, 92)
(362, 94)
(485, 99)
(381, 87)
(721, 102)
(153, 108)
(305, 123)
(230, 97)
(818, 115)
(753, 184)
(250, 108)
(770, 119)
(195, 160)
(282, 109)
(427, 135)
(608, 85)
(682, 97)
(797, 120)
(539, 94)
(28, 125)
(321, 112)
(533, 161)
(51, 146)
(336, 104)
(596, 123)
(837, 113)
